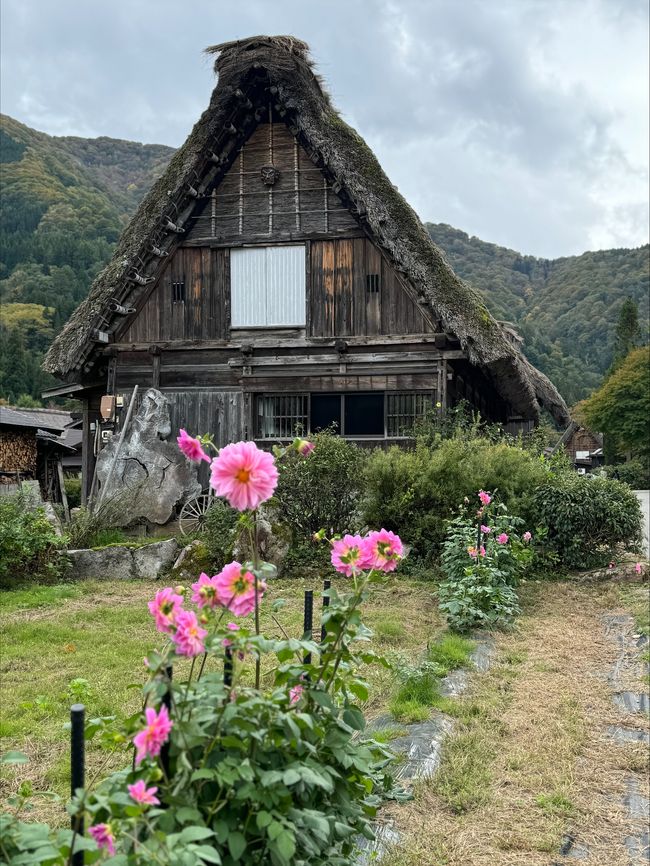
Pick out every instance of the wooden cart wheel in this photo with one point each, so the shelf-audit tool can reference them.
(192, 516)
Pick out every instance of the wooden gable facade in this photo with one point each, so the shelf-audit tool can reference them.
(355, 350)
(274, 281)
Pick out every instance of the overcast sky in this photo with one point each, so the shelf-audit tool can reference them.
(524, 122)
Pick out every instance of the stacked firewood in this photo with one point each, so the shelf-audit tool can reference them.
(17, 451)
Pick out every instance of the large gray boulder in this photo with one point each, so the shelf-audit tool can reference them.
(150, 475)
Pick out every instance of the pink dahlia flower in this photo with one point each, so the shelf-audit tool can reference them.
(244, 475)
(295, 693)
(236, 589)
(191, 447)
(304, 447)
(149, 741)
(485, 529)
(233, 627)
(141, 794)
(481, 550)
(638, 568)
(165, 608)
(205, 591)
(349, 554)
(484, 497)
(502, 538)
(189, 635)
(473, 552)
(527, 536)
(103, 835)
(382, 549)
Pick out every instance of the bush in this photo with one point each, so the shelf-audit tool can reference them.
(482, 559)
(90, 527)
(220, 533)
(73, 490)
(415, 493)
(585, 518)
(323, 490)
(634, 473)
(28, 542)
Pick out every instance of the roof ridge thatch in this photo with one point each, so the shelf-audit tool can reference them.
(368, 192)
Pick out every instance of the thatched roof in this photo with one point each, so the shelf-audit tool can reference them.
(284, 64)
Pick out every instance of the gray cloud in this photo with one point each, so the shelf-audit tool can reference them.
(521, 121)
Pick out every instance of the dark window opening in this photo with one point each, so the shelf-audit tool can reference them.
(178, 291)
(364, 415)
(281, 416)
(372, 283)
(325, 412)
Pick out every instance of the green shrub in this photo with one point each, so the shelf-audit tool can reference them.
(634, 473)
(28, 542)
(90, 527)
(220, 533)
(73, 490)
(321, 491)
(415, 493)
(585, 518)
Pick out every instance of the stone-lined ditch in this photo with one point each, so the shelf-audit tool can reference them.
(627, 668)
(421, 746)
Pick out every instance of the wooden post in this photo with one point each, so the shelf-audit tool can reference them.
(64, 495)
(118, 449)
(77, 770)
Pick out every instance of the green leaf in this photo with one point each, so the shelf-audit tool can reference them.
(290, 777)
(14, 758)
(236, 844)
(263, 819)
(193, 834)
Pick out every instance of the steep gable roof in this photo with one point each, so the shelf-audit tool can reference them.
(282, 65)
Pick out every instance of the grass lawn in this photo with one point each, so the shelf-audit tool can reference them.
(86, 641)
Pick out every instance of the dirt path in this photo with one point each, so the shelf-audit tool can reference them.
(546, 769)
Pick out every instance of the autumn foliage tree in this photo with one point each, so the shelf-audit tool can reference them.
(620, 408)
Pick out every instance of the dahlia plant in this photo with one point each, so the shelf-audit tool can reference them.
(483, 556)
(264, 765)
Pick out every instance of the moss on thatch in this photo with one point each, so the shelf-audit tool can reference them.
(392, 223)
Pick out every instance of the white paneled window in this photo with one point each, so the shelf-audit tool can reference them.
(267, 287)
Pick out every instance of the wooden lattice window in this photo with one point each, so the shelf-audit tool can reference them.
(372, 284)
(178, 291)
(281, 416)
(404, 409)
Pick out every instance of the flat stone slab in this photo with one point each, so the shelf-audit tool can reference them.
(632, 702)
(118, 562)
(627, 735)
(572, 850)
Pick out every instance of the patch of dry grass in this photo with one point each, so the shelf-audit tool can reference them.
(530, 760)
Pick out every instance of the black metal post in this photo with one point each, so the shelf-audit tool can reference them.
(227, 668)
(326, 603)
(308, 620)
(77, 769)
(167, 702)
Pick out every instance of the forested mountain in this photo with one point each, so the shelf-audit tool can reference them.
(66, 200)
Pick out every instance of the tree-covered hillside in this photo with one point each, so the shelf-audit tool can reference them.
(64, 203)
(66, 200)
(565, 309)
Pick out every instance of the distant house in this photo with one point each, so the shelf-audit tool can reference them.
(584, 448)
(34, 445)
(274, 279)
